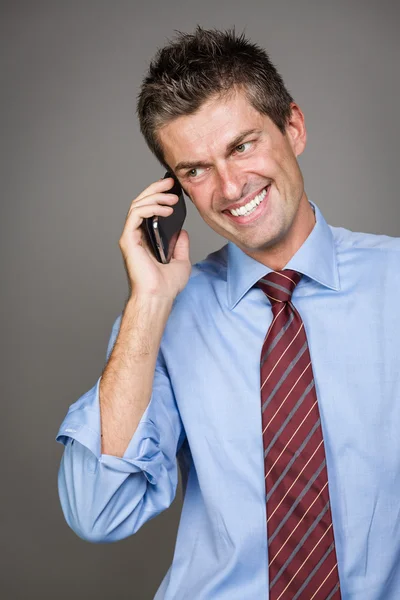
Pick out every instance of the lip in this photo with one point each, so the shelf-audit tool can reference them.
(246, 201)
(255, 214)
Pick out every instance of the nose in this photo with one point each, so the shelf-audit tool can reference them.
(230, 183)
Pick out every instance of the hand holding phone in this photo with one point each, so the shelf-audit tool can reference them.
(147, 276)
(162, 232)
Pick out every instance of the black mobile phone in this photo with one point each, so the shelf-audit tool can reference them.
(163, 232)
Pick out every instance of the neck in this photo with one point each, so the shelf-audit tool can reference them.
(279, 255)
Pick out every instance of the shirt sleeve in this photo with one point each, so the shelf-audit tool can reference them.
(105, 498)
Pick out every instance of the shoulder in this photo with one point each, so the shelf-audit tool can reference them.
(212, 267)
(197, 302)
(363, 255)
(346, 240)
(208, 276)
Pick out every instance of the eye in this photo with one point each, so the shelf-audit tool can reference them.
(242, 147)
(193, 173)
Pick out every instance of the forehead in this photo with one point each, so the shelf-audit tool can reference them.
(208, 131)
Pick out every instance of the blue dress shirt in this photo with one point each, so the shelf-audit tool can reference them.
(205, 412)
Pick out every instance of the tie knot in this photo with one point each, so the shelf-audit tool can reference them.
(279, 285)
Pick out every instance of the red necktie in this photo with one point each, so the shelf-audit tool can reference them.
(301, 548)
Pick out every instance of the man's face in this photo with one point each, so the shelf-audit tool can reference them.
(223, 167)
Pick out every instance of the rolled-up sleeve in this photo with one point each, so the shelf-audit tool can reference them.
(106, 498)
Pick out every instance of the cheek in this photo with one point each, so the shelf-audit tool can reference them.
(201, 196)
(285, 171)
(288, 161)
(265, 163)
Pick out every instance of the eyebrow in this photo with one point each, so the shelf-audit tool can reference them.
(231, 146)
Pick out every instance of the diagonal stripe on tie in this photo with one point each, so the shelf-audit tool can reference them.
(295, 455)
(289, 417)
(285, 374)
(302, 559)
(300, 545)
(278, 337)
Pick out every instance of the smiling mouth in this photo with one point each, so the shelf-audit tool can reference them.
(247, 209)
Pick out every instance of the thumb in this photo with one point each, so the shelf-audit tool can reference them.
(181, 250)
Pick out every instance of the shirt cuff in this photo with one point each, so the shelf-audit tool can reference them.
(82, 423)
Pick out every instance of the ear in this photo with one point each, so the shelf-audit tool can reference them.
(296, 130)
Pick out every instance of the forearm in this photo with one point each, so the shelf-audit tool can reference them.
(126, 383)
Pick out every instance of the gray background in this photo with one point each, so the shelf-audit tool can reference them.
(72, 160)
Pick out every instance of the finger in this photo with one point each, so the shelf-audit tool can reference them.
(137, 214)
(161, 198)
(162, 185)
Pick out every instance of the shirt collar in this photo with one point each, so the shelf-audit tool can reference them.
(316, 258)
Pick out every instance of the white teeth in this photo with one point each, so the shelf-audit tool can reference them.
(248, 208)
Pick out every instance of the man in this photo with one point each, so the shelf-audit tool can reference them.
(270, 369)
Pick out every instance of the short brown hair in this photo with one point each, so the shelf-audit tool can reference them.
(195, 67)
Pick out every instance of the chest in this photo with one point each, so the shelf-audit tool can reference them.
(214, 364)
